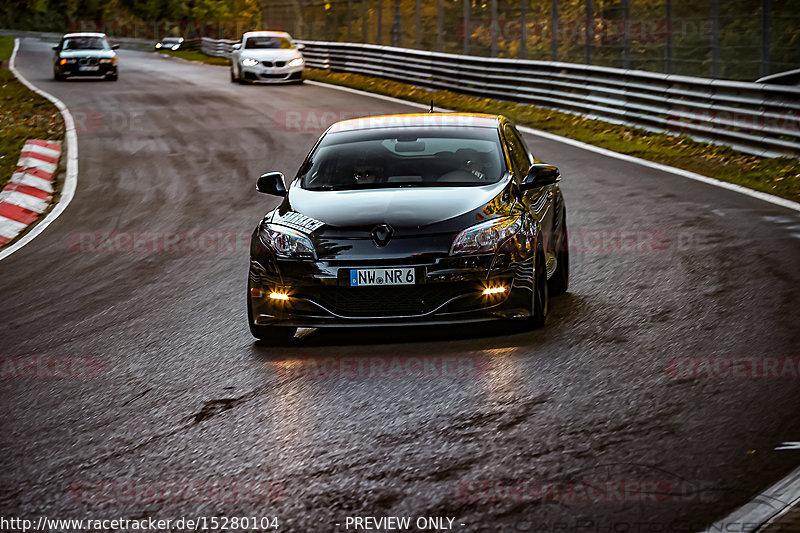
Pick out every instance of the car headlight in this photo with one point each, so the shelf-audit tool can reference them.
(109, 61)
(286, 242)
(486, 236)
(249, 62)
(158, 45)
(176, 47)
(296, 62)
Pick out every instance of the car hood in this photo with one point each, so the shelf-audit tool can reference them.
(410, 207)
(271, 54)
(88, 53)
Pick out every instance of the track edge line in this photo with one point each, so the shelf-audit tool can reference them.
(71, 154)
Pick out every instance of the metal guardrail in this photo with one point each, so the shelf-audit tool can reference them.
(217, 48)
(755, 118)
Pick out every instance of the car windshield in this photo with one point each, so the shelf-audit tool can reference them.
(267, 42)
(405, 157)
(171, 40)
(86, 43)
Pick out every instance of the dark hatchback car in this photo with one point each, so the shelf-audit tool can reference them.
(410, 219)
(85, 54)
(169, 43)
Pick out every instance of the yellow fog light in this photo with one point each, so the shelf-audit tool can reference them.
(494, 290)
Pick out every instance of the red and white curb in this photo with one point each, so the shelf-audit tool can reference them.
(30, 189)
(69, 183)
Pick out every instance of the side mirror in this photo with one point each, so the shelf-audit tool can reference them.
(55, 47)
(115, 47)
(540, 175)
(271, 183)
(300, 46)
(236, 46)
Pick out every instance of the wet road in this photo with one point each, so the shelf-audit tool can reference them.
(579, 425)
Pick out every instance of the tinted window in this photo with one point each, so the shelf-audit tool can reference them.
(405, 157)
(267, 42)
(519, 152)
(86, 43)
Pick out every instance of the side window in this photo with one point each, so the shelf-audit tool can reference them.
(519, 152)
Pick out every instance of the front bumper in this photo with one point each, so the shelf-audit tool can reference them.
(448, 290)
(261, 73)
(71, 69)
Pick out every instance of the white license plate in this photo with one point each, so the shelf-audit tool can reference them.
(89, 68)
(364, 277)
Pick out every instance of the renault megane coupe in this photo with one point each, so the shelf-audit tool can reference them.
(433, 218)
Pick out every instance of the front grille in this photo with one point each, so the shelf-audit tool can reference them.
(273, 76)
(87, 61)
(274, 64)
(402, 300)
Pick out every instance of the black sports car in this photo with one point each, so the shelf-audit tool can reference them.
(410, 219)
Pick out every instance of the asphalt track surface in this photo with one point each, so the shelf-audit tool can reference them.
(185, 395)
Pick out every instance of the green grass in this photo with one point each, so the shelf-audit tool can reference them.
(779, 176)
(6, 47)
(196, 55)
(23, 115)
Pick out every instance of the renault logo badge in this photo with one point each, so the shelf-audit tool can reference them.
(382, 234)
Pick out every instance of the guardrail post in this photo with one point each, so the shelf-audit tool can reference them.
(440, 27)
(417, 24)
(349, 20)
(397, 26)
(467, 31)
(493, 28)
(715, 38)
(668, 49)
(588, 34)
(626, 46)
(379, 38)
(363, 21)
(554, 31)
(523, 27)
(766, 8)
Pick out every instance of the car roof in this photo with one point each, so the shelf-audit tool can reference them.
(85, 34)
(267, 33)
(418, 120)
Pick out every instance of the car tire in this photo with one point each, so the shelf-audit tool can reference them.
(112, 77)
(58, 77)
(540, 302)
(272, 334)
(559, 283)
(233, 78)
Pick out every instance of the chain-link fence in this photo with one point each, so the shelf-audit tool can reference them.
(731, 39)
